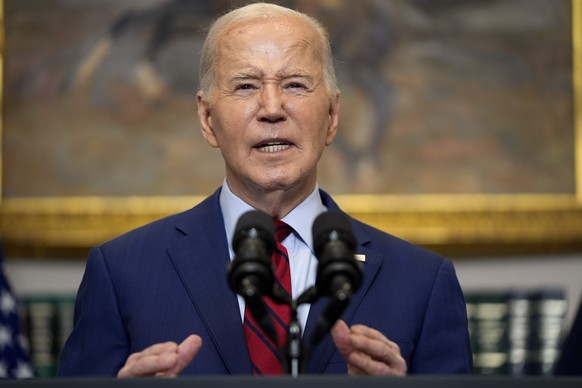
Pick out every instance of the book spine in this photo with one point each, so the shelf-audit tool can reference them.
(65, 310)
(520, 312)
(48, 323)
(40, 329)
(548, 312)
(488, 327)
(516, 332)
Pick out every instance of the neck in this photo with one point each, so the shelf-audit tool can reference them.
(275, 202)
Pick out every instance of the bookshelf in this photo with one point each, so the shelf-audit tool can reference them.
(514, 332)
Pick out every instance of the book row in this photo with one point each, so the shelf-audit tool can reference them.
(513, 332)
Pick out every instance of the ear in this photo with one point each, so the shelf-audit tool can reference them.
(205, 117)
(334, 107)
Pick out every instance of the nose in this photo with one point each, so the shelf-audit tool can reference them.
(272, 104)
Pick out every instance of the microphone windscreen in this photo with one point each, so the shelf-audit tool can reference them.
(329, 226)
(254, 224)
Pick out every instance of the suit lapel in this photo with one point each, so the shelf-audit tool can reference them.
(200, 259)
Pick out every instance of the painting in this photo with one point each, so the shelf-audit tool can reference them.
(455, 110)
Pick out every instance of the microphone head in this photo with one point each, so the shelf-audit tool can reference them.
(253, 243)
(332, 225)
(254, 224)
(334, 244)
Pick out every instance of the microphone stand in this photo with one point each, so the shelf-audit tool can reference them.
(332, 313)
(294, 349)
(295, 354)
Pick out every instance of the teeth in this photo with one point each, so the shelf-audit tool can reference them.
(275, 147)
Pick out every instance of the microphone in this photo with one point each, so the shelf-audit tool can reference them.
(253, 243)
(250, 273)
(335, 244)
(338, 273)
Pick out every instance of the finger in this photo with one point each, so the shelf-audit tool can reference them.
(362, 364)
(148, 364)
(380, 349)
(372, 346)
(150, 361)
(372, 367)
(340, 334)
(355, 371)
(361, 332)
(369, 332)
(161, 348)
(368, 351)
(187, 350)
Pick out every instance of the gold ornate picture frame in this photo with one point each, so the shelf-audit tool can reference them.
(452, 224)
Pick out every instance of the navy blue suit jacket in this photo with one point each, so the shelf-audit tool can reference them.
(167, 280)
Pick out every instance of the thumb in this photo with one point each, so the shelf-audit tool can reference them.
(187, 350)
(340, 334)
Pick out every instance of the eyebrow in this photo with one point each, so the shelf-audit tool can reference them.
(297, 74)
(287, 72)
(254, 74)
(247, 73)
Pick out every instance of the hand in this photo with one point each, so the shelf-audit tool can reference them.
(164, 359)
(367, 351)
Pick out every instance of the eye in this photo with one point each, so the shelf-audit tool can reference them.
(245, 87)
(295, 85)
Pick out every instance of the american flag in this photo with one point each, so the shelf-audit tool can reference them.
(14, 359)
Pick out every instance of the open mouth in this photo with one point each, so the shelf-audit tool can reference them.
(271, 147)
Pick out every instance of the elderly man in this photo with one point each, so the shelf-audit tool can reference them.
(155, 302)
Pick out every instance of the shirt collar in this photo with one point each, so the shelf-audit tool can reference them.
(300, 218)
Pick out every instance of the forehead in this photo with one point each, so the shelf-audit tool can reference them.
(269, 38)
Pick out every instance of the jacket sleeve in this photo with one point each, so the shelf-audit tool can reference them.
(444, 346)
(98, 344)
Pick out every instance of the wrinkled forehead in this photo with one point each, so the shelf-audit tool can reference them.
(269, 35)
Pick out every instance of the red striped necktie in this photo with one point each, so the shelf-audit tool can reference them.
(264, 354)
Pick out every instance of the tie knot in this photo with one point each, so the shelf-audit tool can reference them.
(282, 230)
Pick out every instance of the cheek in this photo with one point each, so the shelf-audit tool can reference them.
(234, 119)
(318, 123)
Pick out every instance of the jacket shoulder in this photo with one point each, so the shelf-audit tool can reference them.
(159, 233)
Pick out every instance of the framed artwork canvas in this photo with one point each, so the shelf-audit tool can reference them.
(459, 126)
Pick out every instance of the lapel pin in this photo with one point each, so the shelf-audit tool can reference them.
(359, 257)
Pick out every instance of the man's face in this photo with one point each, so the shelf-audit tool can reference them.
(270, 113)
